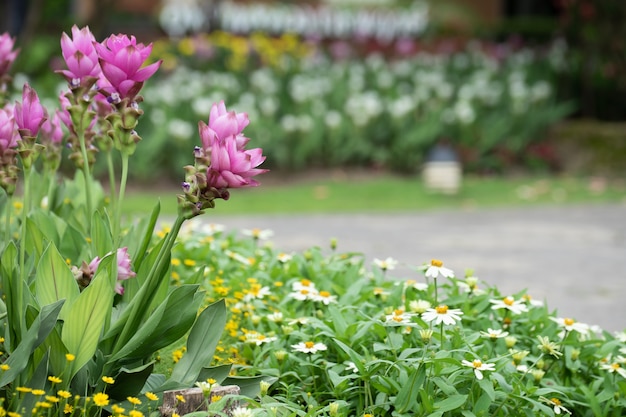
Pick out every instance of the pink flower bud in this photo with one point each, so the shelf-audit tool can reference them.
(51, 130)
(121, 60)
(7, 53)
(8, 129)
(29, 114)
(80, 56)
(124, 270)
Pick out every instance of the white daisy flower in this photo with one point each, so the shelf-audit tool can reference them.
(352, 367)
(436, 268)
(621, 336)
(258, 234)
(241, 412)
(303, 284)
(210, 229)
(381, 292)
(511, 304)
(258, 338)
(284, 257)
(442, 314)
(386, 264)
(556, 404)
(237, 257)
(419, 306)
(494, 334)
(532, 301)
(324, 297)
(275, 317)
(479, 367)
(614, 367)
(399, 316)
(301, 321)
(570, 324)
(256, 291)
(309, 347)
(304, 294)
(411, 283)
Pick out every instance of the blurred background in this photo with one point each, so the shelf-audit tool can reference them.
(505, 86)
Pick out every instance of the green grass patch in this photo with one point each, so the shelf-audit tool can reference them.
(391, 193)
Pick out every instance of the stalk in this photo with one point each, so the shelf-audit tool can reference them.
(87, 175)
(113, 197)
(118, 207)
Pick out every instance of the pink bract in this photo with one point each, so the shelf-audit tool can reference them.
(80, 55)
(29, 114)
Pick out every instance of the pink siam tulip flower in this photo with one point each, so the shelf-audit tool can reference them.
(7, 53)
(8, 130)
(223, 123)
(124, 270)
(231, 165)
(121, 60)
(29, 114)
(80, 56)
(51, 130)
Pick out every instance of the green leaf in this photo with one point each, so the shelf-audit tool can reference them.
(129, 382)
(450, 403)
(218, 373)
(167, 324)
(201, 343)
(407, 397)
(249, 386)
(35, 239)
(86, 318)
(142, 249)
(354, 356)
(38, 331)
(101, 237)
(54, 280)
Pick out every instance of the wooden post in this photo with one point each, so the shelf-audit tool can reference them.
(195, 401)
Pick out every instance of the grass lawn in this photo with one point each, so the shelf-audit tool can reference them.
(340, 192)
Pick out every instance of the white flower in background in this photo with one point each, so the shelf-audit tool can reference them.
(419, 286)
(268, 105)
(237, 257)
(324, 297)
(304, 294)
(614, 367)
(284, 257)
(398, 316)
(258, 338)
(464, 112)
(511, 304)
(494, 333)
(436, 268)
(419, 306)
(289, 123)
(202, 105)
(555, 403)
(479, 366)
(241, 412)
(532, 301)
(256, 291)
(386, 264)
(180, 129)
(264, 80)
(332, 119)
(300, 321)
(570, 324)
(621, 336)
(402, 106)
(303, 284)
(309, 347)
(352, 367)
(258, 234)
(305, 123)
(442, 314)
(276, 317)
(381, 292)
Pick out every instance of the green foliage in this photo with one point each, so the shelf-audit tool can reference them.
(374, 351)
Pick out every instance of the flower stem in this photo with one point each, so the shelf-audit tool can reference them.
(118, 207)
(112, 193)
(87, 175)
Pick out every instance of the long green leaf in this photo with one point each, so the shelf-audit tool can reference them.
(86, 317)
(167, 324)
(406, 399)
(54, 280)
(201, 343)
(39, 329)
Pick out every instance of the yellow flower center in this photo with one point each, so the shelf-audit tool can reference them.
(324, 294)
(568, 321)
(441, 309)
(555, 401)
(305, 282)
(436, 262)
(304, 291)
(477, 363)
(615, 366)
(508, 301)
(309, 345)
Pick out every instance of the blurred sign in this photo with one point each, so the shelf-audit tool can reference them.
(326, 21)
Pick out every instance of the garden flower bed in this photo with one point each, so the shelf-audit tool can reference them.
(103, 316)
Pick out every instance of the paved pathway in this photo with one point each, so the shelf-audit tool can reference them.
(572, 257)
